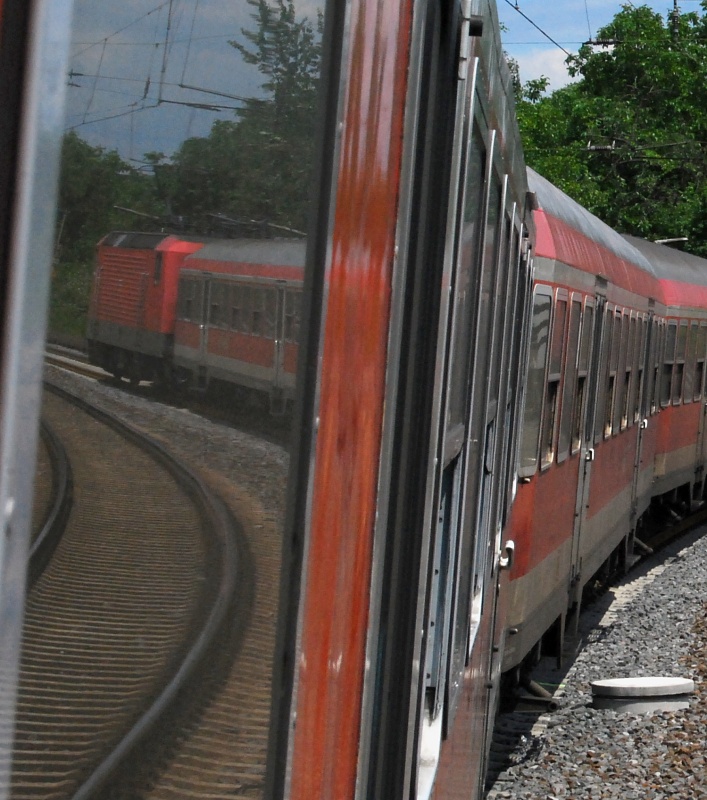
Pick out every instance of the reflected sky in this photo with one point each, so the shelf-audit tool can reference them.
(144, 76)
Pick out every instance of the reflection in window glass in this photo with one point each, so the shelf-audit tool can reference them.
(189, 134)
(539, 334)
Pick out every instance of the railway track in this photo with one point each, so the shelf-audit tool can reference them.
(143, 581)
(221, 751)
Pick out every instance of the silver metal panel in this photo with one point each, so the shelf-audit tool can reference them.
(282, 252)
(25, 321)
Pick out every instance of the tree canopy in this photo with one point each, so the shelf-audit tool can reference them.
(629, 139)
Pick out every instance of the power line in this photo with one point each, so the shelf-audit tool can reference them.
(537, 27)
(125, 27)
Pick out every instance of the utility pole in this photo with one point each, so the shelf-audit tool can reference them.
(676, 19)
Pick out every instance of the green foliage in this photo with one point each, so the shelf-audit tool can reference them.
(92, 183)
(629, 138)
(259, 167)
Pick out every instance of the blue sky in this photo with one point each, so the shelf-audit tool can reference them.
(569, 23)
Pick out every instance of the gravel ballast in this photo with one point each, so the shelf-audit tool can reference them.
(651, 624)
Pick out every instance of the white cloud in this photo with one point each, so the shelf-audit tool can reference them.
(549, 62)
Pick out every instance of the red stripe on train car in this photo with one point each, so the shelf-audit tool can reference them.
(335, 612)
(684, 295)
(557, 240)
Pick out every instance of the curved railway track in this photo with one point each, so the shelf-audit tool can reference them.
(140, 591)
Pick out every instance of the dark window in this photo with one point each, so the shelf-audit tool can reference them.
(553, 383)
(539, 335)
(570, 380)
(603, 382)
(585, 349)
(668, 362)
(292, 315)
(700, 361)
(190, 300)
(679, 368)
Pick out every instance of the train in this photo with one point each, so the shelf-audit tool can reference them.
(493, 393)
(185, 312)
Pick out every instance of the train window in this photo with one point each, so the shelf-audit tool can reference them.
(258, 320)
(517, 333)
(292, 315)
(668, 362)
(270, 313)
(639, 361)
(246, 309)
(630, 325)
(570, 380)
(537, 362)
(585, 349)
(656, 364)
(191, 299)
(679, 366)
(690, 359)
(197, 120)
(613, 377)
(236, 305)
(552, 399)
(603, 380)
(700, 361)
(218, 298)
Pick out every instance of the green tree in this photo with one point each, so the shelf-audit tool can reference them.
(628, 138)
(93, 181)
(259, 166)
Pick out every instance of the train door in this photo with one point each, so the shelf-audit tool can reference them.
(593, 343)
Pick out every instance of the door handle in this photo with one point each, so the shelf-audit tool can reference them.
(507, 555)
(589, 455)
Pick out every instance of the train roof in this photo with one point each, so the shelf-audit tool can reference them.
(556, 203)
(283, 252)
(671, 264)
(683, 276)
(134, 240)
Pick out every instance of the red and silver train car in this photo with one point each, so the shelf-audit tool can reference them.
(614, 409)
(410, 577)
(238, 315)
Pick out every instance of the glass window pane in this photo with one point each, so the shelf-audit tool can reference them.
(539, 333)
(189, 156)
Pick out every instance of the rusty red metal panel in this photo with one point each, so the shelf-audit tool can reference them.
(338, 568)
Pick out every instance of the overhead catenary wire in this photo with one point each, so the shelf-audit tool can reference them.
(537, 27)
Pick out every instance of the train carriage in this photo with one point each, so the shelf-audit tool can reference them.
(679, 365)
(586, 466)
(238, 315)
